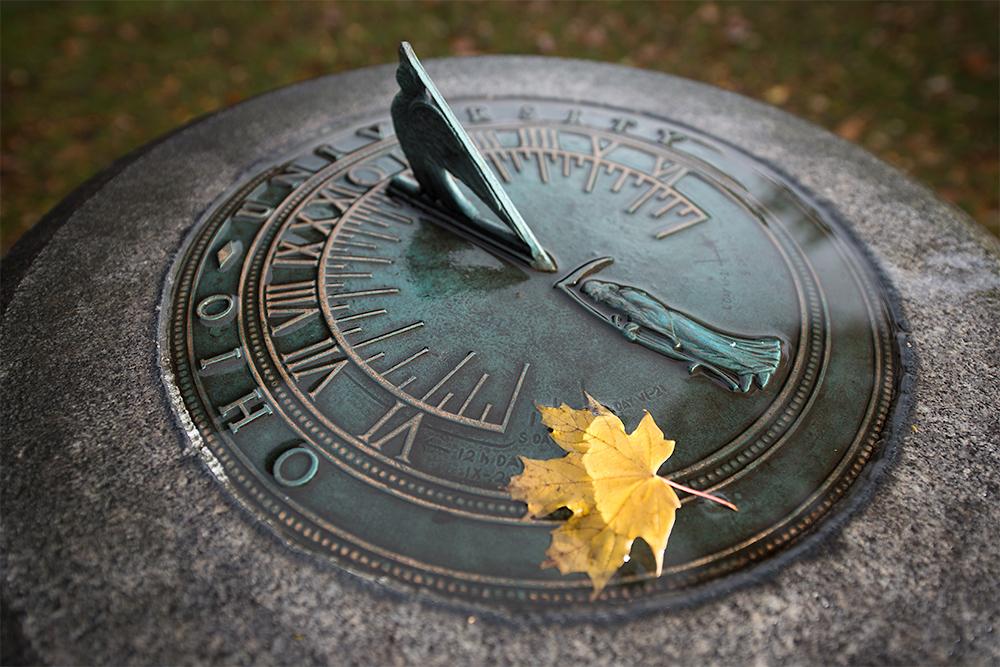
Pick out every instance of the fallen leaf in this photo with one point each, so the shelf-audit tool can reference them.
(633, 500)
(587, 544)
(568, 426)
(608, 481)
(549, 485)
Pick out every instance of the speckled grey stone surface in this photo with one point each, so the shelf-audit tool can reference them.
(118, 547)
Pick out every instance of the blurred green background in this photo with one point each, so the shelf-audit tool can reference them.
(84, 83)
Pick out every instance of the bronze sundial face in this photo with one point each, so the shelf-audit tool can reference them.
(359, 362)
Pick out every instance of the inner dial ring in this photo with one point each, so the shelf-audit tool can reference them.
(348, 262)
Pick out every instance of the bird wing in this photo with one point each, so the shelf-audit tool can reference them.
(453, 146)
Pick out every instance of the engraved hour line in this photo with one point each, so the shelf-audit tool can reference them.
(479, 384)
(389, 334)
(371, 292)
(359, 316)
(349, 275)
(489, 141)
(352, 244)
(375, 235)
(326, 356)
(301, 366)
(370, 211)
(677, 228)
(448, 376)
(536, 141)
(540, 139)
(404, 362)
(472, 394)
(360, 258)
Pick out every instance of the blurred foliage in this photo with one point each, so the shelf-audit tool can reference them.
(84, 83)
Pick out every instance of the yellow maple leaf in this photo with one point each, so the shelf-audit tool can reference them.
(608, 481)
(632, 499)
(548, 485)
(569, 426)
(587, 544)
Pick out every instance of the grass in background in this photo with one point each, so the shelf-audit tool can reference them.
(84, 83)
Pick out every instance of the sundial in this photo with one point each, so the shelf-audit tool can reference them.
(356, 333)
(268, 381)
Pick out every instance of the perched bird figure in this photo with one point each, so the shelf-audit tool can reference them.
(439, 151)
(735, 360)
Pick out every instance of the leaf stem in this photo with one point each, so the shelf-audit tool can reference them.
(702, 494)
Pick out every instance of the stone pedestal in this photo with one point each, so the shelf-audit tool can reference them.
(119, 547)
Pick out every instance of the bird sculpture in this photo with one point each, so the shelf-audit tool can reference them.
(439, 151)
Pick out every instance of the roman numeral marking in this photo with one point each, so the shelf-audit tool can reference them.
(407, 429)
(675, 199)
(374, 132)
(337, 197)
(617, 186)
(539, 138)
(642, 199)
(488, 140)
(668, 172)
(253, 211)
(252, 406)
(291, 176)
(293, 303)
(298, 254)
(322, 226)
(599, 148)
(322, 358)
